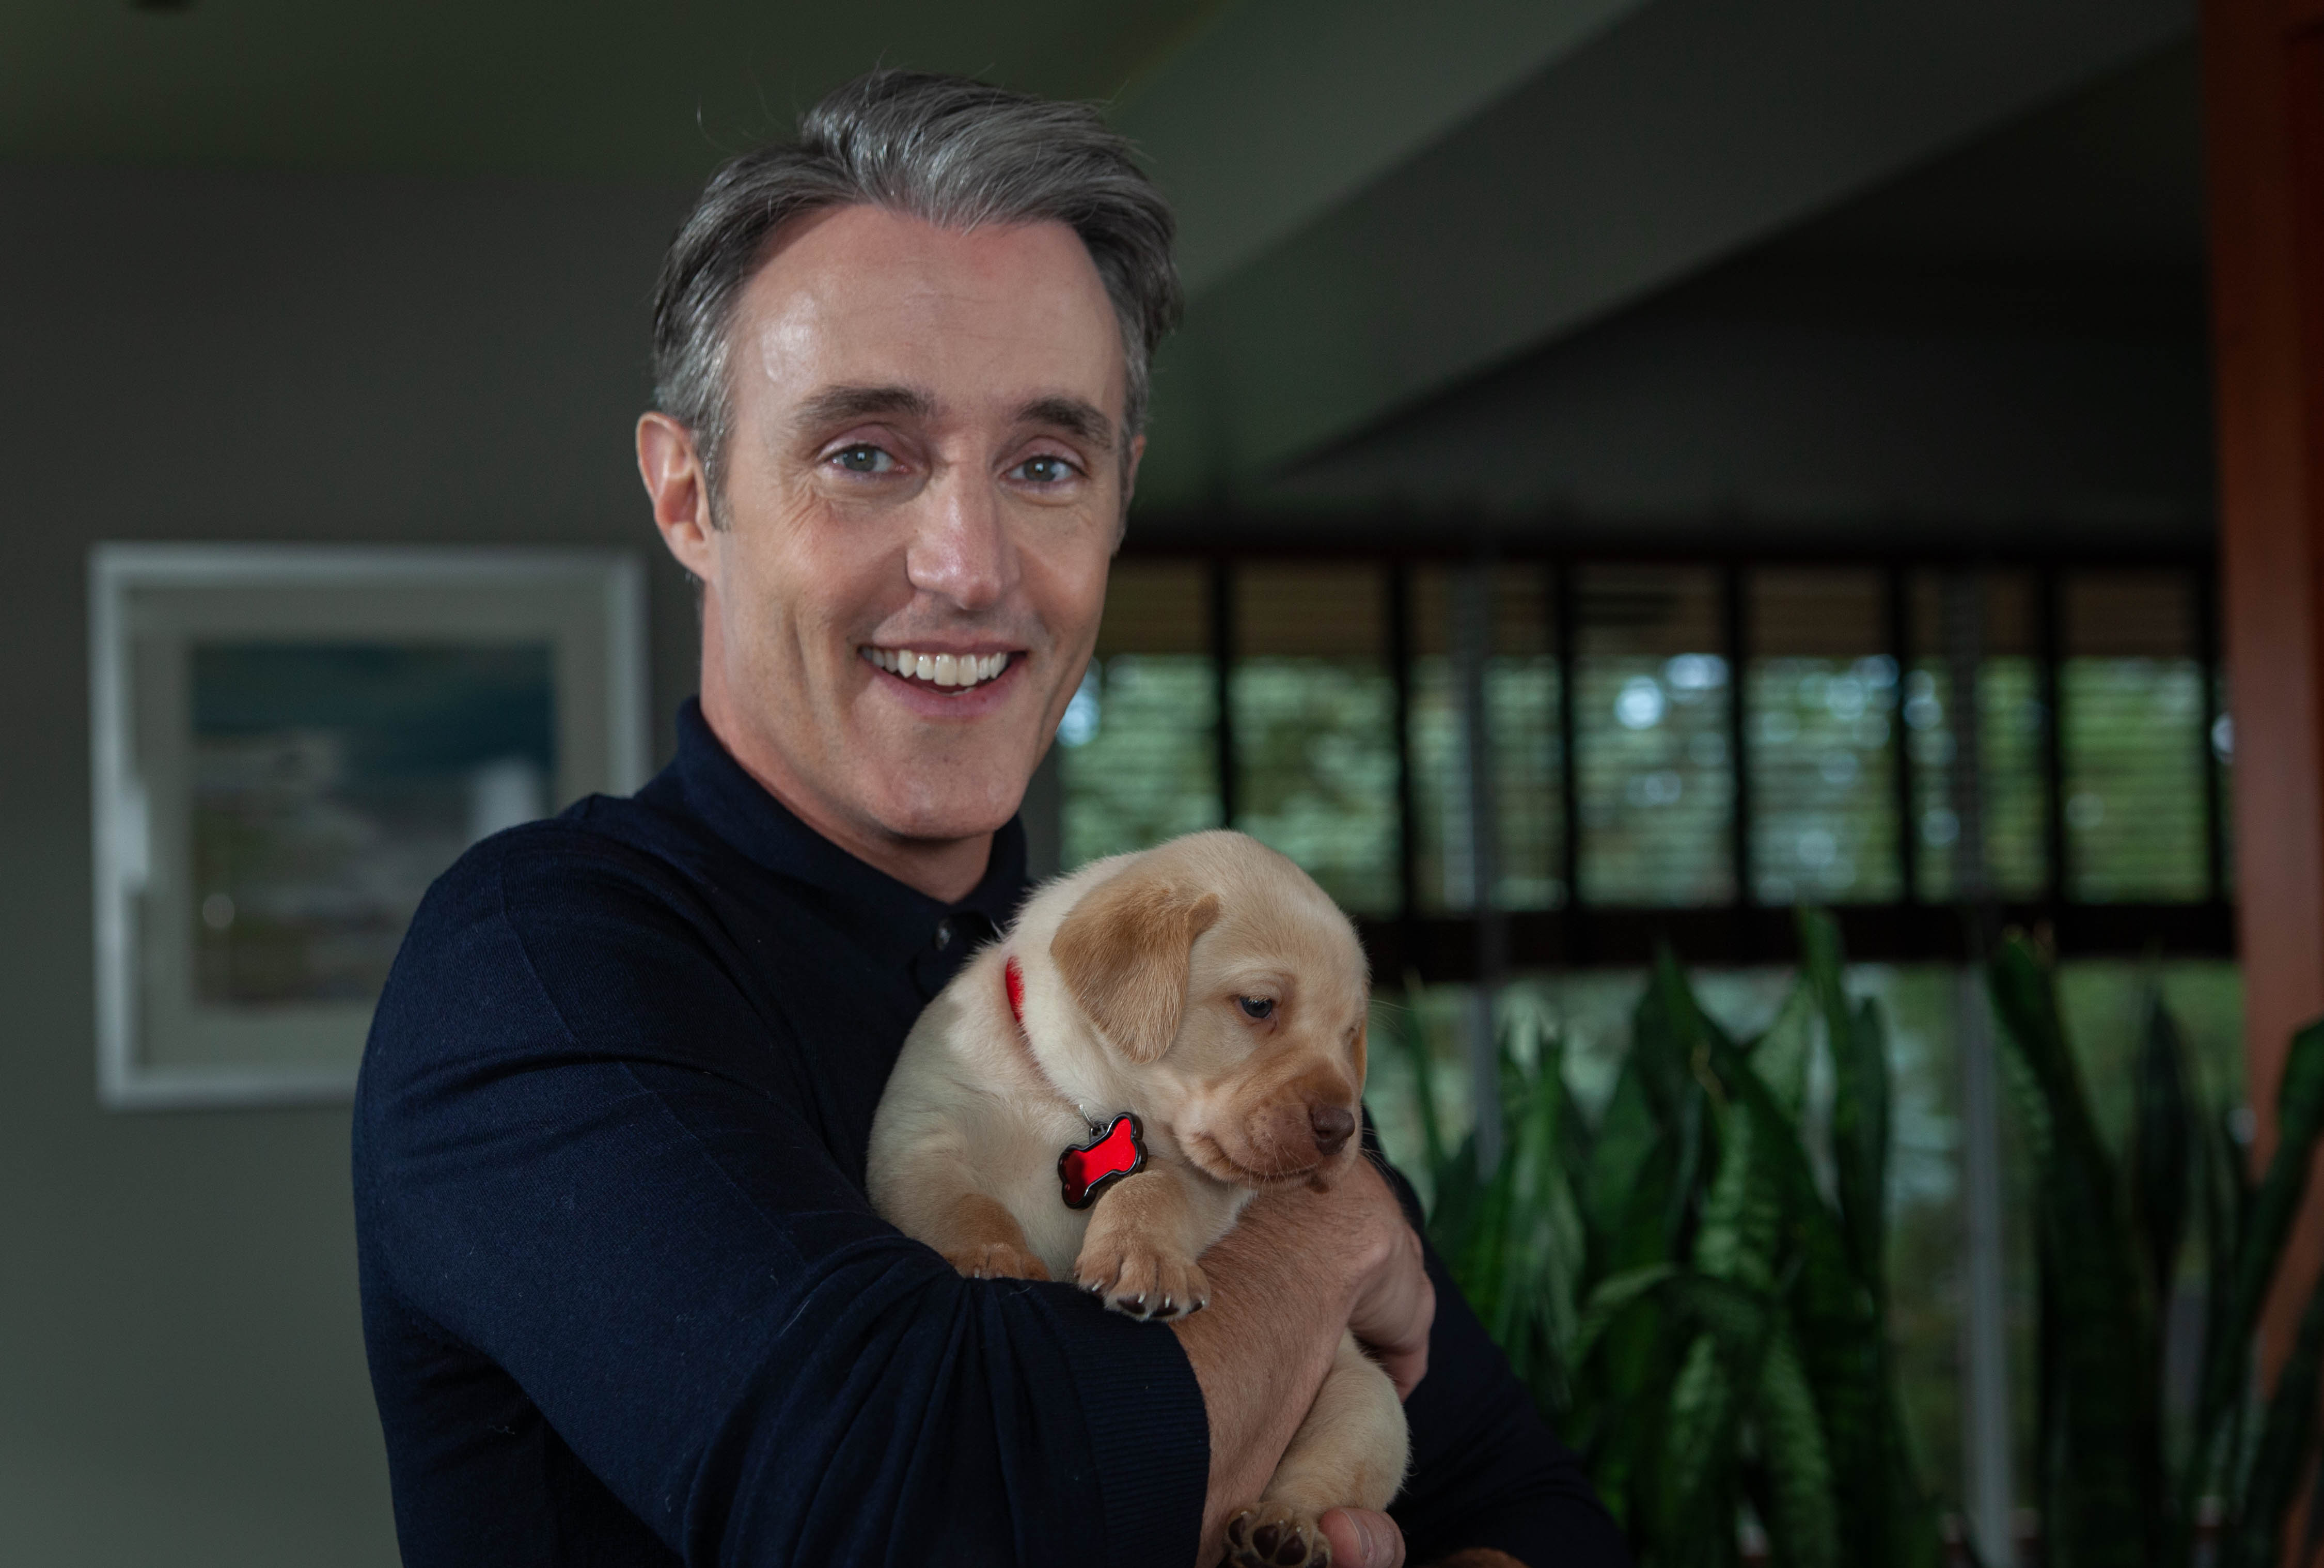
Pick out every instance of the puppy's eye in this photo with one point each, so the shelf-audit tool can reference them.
(1258, 1007)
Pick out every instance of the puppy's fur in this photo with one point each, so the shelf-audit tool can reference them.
(1141, 976)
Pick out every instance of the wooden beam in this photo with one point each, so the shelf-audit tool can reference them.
(2264, 126)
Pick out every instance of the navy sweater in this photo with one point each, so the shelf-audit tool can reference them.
(625, 1301)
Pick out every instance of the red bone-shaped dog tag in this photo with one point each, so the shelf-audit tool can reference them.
(1087, 1169)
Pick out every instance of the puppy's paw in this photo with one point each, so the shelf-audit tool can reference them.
(996, 1260)
(1139, 1279)
(1276, 1535)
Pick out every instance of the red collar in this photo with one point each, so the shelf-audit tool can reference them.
(1013, 978)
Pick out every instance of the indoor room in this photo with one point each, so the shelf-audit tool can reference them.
(1765, 557)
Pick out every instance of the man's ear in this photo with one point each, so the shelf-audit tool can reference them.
(1123, 950)
(672, 472)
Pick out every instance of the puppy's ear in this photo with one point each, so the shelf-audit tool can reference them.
(1123, 951)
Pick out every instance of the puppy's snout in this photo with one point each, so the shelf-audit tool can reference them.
(1332, 1125)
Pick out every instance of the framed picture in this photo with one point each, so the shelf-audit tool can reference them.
(290, 743)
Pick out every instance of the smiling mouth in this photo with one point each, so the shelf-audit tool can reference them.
(948, 671)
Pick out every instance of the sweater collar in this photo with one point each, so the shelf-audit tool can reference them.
(930, 937)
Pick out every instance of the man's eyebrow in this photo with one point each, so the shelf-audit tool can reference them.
(1071, 415)
(838, 405)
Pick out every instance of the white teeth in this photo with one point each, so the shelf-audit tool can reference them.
(945, 670)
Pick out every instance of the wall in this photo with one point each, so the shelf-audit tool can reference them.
(244, 357)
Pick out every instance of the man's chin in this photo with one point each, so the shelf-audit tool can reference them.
(944, 815)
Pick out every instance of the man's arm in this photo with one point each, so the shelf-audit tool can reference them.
(583, 1154)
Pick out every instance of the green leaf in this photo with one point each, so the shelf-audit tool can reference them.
(1860, 1095)
(1743, 1213)
(2261, 1227)
(2103, 1479)
(1738, 1317)
(1781, 1054)
(1540, 1243)
(2283, 1441)
(1859, 1140)
(1699, 1453)
(2162, 1148)
(1611, 1299)
(1629, 1138)
(1837, 1329)
(1803, 1520)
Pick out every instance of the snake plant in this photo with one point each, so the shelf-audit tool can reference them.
(2116, 1490)
(1698, 1314)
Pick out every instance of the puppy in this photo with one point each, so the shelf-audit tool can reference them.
(1100, 1092)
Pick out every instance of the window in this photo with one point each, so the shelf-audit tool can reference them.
(2131, 697)
(1519, 690)
(1314, 726)
(1996, 611)
(1651, 699)
(1821, 745)
(1674, 750)
(1138, 748)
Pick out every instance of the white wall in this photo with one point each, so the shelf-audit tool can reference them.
(203, 356)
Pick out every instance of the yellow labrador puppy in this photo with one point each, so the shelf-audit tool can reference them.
(1100, 1092)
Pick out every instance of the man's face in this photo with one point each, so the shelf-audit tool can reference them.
(923, 484)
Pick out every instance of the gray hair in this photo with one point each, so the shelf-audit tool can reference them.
(946, 150)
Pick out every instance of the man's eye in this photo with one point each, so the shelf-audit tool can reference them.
(1045, 470)
(863, 459)
(1256, 1007)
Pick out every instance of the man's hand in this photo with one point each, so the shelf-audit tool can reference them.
(1396, 1305)
(1363, 1539)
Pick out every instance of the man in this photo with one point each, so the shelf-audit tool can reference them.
(624, 1298)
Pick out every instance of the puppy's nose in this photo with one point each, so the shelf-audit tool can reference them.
(1332, 1124)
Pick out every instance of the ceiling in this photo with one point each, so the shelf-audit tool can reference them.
(2011, 334)
(1379, 202)
(589, 88)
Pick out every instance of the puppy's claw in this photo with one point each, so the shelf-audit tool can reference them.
(1274, 1536)
(997, 1260)
(1140, 1281)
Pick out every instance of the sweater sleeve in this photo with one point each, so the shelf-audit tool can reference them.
(1486, 1469)
(584, 1156)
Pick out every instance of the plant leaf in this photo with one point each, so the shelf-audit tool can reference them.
(2263, 1224)
(1861, 1095)
(1781, 1054)
(1802, 1522)
(1698, 1454)
(2283, 1439)
(2104, 1502)
(1611, 1299)
(2163, 1139)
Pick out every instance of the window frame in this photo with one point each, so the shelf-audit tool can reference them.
(1445, 947)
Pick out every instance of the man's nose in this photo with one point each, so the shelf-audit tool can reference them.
(961, 550)
(1332, 1125)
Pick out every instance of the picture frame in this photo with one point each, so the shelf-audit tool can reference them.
(288, 744)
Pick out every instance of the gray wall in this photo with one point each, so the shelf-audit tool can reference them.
(244, 357)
